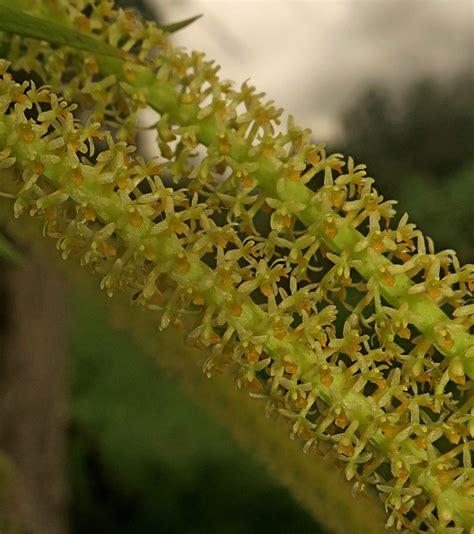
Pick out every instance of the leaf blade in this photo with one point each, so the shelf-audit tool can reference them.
(17, 21)
(175, 26)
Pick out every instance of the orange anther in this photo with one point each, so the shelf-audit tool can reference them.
(220, 108)
(378, 245)
(268, 151)
(122, 182)
(404, 333)
(388, 430)
(198, 300)
(177, 322)
(388, 279)
(424, 377)
(404, 256)
(236, 310)
(130, 74)
(221, 241)
(254, 385)
(183, 266)
(156, 169)
(434, 292)
(136, 219)
(90, 214)
(326, 379)
(453, 436)
(180, 227)
(422, 441)
(77, 178)
(279, 333)
(38, 168)
(290, 367)
(371, 207)
(459, 379)
(337, 200)
(294, 176)
(253, 356)
(266, 289)
(224, 147)
(83, 23)
(301, 403)
(214, 338)
(331, 231)
(20, 98)
(443, 476)
(227, 281)
(341, 421)
(28, 136)
(447, 342)
(49, 215)
(106, 250)
(348, 450)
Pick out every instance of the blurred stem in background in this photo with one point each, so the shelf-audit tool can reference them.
(32, 399)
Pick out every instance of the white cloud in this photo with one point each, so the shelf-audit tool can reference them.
(311, 57)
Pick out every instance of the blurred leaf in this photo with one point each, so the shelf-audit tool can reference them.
(175, 26)
(9, 252)
(139, 446)
(446, 211)
(6, 474)
(416, 144)
(16, 21)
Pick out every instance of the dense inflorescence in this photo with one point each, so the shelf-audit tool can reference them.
(280, 261)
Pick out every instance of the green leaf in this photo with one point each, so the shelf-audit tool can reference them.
(9, 252)
(175, 26)
(16, 21)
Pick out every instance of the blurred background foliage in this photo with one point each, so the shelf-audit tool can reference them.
(143, 457)
(417, 146)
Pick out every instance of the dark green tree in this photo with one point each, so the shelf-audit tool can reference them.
(417, 144)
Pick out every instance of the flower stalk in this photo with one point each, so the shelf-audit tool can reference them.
(276, 261)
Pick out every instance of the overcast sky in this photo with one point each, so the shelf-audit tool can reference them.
(312, 57)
